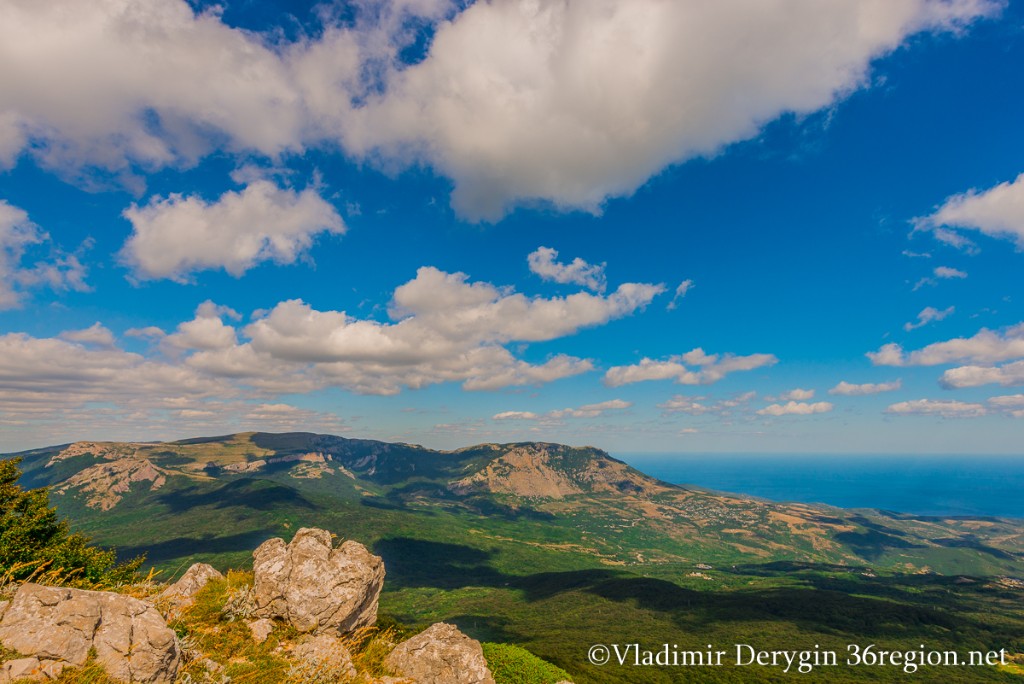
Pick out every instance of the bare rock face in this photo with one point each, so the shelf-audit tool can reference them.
(182, 594)
(58, 626)
(441, 655)
(261, 629)
(322, 658)
(315, 587)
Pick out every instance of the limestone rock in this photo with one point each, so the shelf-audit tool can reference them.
(441, 655)
(322, 658)
(182, 594)
(260, 629)
(315, 587)
(3, 608)
(131, 640)
(32, 669)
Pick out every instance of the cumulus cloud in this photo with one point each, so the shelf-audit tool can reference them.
(46, 374)
(852, 390)
(698, 406)
(692, 368)
(681, 291)
(175, 236)
(17, 235)
(997, 212)
(931, 407)
(443, 328)
(214, 370)
(96, 334)
(577, 272)
(565, 102)
(576, 102)
(1007, 375)
(206, 331)
(795, 408)
(793, 394)
(986, 346)
(1009, 404)
(928, 315)
(557, 415)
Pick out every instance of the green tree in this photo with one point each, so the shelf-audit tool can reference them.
(35, 540)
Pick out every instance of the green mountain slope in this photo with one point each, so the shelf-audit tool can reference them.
(558, 548)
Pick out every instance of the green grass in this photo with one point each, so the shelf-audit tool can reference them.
(512, 664)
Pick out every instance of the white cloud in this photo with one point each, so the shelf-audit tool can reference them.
(681, 291)
(1007, 375)
(516, 415)
(794, 394)
(945, 272)
(1010, 404)
(693, 368)
(577, 102)
(848, 389)
(997, 212)
(175, 236)
(443, 329)
(206, 331)
(945, 409)
(568, 102)
(96, 334)
(928, 315)
(1007, 401)
(578, 272)
(940, 273)
(986, 346)
(698, 406)
(794, 408)
(586, 411)
(683, 404)
(17, 235)
(50, 374)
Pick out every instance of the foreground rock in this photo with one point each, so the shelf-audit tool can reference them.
(441, 655)
(315, 587)
(57, 627)
(322, 658)
(182, 594)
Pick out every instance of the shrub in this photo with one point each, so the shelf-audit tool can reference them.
(36, 544)
(514, 665)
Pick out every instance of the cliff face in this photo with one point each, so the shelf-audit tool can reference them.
(555, 471)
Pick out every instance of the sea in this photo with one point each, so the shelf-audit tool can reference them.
(940, 485)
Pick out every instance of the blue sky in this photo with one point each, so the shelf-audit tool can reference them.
(448, 223)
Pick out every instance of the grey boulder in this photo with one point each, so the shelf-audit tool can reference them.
(441, 654)
(176, 598)
(313, 586)
(58, 626)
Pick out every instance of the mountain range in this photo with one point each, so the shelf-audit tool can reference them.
(507, 539)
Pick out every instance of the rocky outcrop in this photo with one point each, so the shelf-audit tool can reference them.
(441, 655)
(182, 594)
(322, 658)
(104, 484)
(554, 471)
(58, 627)
(315, 587)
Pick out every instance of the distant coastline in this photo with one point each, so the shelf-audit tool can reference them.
(932, 485)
